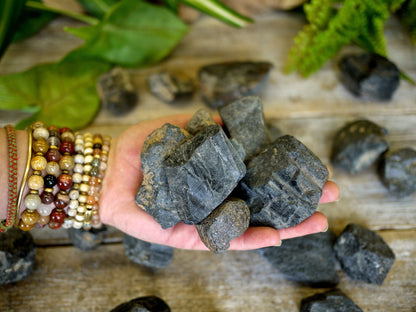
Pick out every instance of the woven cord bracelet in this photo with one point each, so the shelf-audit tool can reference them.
(12, 180)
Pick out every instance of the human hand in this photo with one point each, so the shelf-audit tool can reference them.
(124, 176)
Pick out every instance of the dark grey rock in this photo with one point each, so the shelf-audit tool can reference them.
(369, 76)
(117, 92)
(201, 173)
(201, 119)
(283, 184)
(358, 145)
(226, 82)
(244, 121)
(308, 260)
(226, 222)
(398, 171)
(363, 254)
(153, 195)
(17, 255)
(169, 87)
(330, 301)
(143, 304)
(87, 240)
(147, 254)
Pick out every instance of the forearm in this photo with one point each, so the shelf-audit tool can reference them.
(22, 149)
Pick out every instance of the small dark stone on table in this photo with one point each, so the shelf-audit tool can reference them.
(201, 119)
(369, 76)
(147, 254)
(330, 301)
(223, 83)
(170, 88)
(308, 260)
(117, 92)
(226, 222)
(17, 255)
(398, 171)
(244, 120)
(363, 254)
(358, 145)
(283, 184)
(87, 239)
(153, 195)
(202, 172)
(143, 304)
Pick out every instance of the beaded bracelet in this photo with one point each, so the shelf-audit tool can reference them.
(12, 180)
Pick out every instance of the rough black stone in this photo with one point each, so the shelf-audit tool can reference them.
(363, 254)
(202, 172)
(201, 119)
(17, 255)
(330, 301)
(244, 121)
(143, 304)
(369, 76)
(398, 171)
(226, 222)
(283, 184)
(153, 195)
(226, 82)
(358, 145)
(117, 92)
(147, 254)
(169, 87)
(308, 260)
(87, 239)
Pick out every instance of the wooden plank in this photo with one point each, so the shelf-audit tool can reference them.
(66, 279)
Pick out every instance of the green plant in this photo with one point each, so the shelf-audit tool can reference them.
(129, 33)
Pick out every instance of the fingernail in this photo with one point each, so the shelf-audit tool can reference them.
(326, 229)
(329, 172)
(279, 244)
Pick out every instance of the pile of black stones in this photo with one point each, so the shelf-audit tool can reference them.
(223, 179)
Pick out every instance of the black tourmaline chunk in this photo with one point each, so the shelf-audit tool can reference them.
(202, 172)
(308, 260)
(143, 304)
(398, 171)
(330, 301)
(201, 119)
(369, 76)
(87, 239)
(226, 82)
(169, 87)
(147, 254)
(17, 255)
(153, 195)
(244, 120)
(363, 254)
(358, 145)
(283, 184)
(226, 222)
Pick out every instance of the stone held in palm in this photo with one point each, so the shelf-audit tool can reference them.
(153, 195)
(398, 171)
(333, 300)
(226, 222)
(143, 304)
(201, 119)
(201, 173)
(358, 145)
(308, 260)
(363, 254)
(223, 83)
(244, 120)
(283, 184)
(147, 254)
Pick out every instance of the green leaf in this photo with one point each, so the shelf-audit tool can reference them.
(10, 11)
(62, 93)
(97, 8)
(133, 33)
(172, 5)
(30, 22)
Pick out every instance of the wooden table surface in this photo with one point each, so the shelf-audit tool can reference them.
(67, 279)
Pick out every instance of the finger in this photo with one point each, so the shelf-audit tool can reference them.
(314, 224)
(256, 237)
(330, 192)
